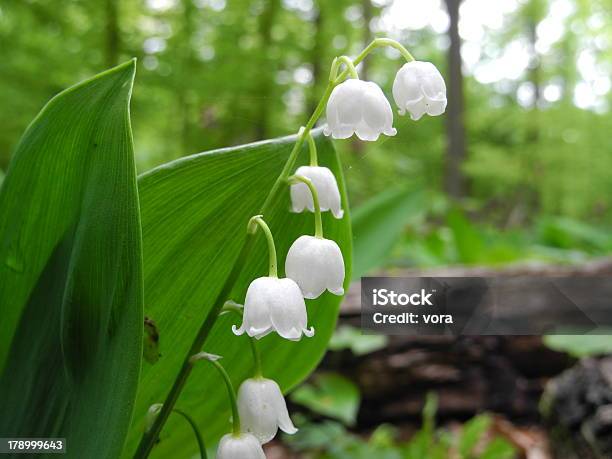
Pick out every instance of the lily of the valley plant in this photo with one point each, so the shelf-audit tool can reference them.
(314, 264)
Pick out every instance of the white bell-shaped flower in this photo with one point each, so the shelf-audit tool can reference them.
(273, 304)
(243, 446)
(419, 88)
(358, 107)
(315, 264)
(263, 409)
(327, 187)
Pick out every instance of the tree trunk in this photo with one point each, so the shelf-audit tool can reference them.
(455, 130)
(186, 68)
(266, 70)
(366, 6)
(316, 54)
(357, 146)
(112, 33)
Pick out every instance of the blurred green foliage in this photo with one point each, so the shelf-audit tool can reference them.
(331, 395)
(348, 337)
(582, 345)
(330, 440)
(216, 73)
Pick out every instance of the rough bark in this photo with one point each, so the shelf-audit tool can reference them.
(577, 406)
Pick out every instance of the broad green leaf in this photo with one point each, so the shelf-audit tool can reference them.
(331, 395)
(468, 240)
(582, 345)
(348, 337)
(194, 213)
(71, 272)
(378, 225)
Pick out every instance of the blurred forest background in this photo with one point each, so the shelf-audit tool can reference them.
(519, 170)
(524, 144)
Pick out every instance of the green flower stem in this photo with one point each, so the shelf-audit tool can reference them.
(252, 228)
(312, 149)
(256, 358)
(196, 432)
(230, 306)
(149, 439)
(350, 68)
(315, 202)
(376, 43)
(232, 396)
(231, 393)
(380, 43)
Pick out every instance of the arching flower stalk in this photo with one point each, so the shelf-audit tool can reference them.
(313, 262)
(273, 304)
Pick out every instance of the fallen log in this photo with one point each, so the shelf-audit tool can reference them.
(502, 374)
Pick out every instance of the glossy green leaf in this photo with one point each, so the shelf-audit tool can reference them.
(378, 225)
(331, 395)
(195, 212)
(71, 272)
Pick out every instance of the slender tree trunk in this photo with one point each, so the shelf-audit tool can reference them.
(535, 68)
(186, 85)
(366, 6)
(316, 55)
(266, 71)
(112, 33)
(568, 69)
(455, 182)
(357, 146)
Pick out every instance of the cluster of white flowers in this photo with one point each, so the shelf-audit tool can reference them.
(360, 107)
(313, 264)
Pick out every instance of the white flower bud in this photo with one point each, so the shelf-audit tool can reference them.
(419, 88)
(152, 414)
(263, 409)
(315, 264)
(243, 446)
(273, 304)
(325, 183)
(358, 107)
